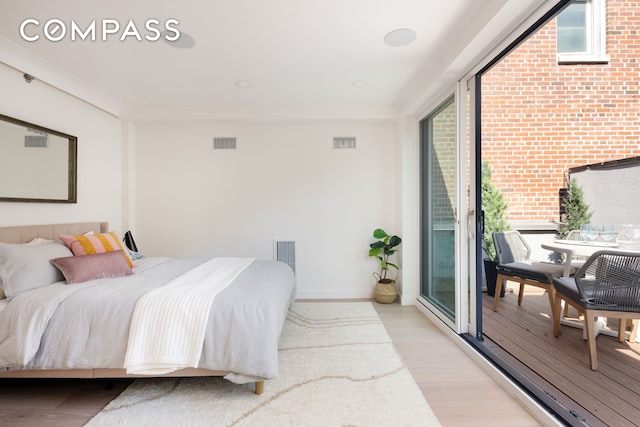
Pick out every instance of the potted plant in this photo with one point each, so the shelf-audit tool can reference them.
(494, 208)
(385, 290)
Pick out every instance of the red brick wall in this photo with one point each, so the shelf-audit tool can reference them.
(539, 118)
(444, 172)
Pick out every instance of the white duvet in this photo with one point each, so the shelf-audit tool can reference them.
(84, 326)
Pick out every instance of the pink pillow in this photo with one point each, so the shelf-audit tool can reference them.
(81, 268)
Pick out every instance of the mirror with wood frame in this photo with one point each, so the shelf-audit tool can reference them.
(37, 164)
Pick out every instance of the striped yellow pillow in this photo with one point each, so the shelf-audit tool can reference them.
(94, 244)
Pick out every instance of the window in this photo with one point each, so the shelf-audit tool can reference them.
(581, 31)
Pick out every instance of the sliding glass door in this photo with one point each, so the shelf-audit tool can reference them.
(444, 241)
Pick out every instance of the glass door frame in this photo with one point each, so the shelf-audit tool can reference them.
(464, 246)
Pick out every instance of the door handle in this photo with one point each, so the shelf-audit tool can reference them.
(471, 223)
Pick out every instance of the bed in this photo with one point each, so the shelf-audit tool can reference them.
(99, 328)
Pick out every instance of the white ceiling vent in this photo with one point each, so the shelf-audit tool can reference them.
(344, 142)
(226, 143)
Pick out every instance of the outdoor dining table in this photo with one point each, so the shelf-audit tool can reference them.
(577, 248)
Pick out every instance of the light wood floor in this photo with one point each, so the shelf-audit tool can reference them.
(459, 392)
(63, 403)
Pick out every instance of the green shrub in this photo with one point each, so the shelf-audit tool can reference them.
(494, 208)
(576, 210)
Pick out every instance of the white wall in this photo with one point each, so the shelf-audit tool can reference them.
(99, 152)
(283, 181)
(183, 199)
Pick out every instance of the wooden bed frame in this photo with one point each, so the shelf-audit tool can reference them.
(25, 234)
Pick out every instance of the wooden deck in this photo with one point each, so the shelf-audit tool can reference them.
(609, 396)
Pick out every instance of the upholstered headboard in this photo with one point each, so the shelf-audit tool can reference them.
(26, 233)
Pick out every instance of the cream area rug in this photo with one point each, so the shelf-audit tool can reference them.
(338, 367)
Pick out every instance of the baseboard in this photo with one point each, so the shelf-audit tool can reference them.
(329, 295)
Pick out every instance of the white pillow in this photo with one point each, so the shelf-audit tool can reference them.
(36, 241)
(39, 241)
(26, 267)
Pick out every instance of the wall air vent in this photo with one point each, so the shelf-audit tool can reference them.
(344, 142)
(226, 143)
(285, 251)
(35, 141)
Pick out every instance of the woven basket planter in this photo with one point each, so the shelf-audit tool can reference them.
(386, 293)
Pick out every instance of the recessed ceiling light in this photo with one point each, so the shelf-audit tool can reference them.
(243, 84)
(359, 83)
(185, 41)
(400, 37)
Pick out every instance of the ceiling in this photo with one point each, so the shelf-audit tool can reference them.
(296, 54)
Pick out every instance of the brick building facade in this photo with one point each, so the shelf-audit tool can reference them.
(540, 118)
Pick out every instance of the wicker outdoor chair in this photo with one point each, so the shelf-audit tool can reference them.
(607, 285)
(514, 264)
